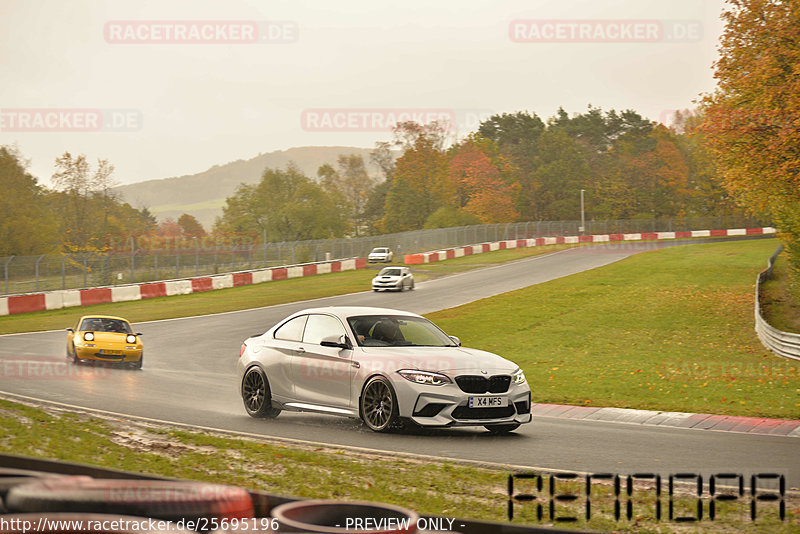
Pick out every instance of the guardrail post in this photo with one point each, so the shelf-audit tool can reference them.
(6, 271)
(36, 270)
(133, 261)
(86, 269)
(64, 271)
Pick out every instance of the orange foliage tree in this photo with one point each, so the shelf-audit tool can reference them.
(752, 121)
(481, 189)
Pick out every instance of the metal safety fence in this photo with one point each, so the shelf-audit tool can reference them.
(785, 344)
(48, 272)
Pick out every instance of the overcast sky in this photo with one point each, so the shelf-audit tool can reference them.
(164, 95)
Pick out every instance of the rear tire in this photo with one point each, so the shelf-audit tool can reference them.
(256, 394)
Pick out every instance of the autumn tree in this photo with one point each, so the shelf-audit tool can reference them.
(481, 179)
(350, 185)
(285, 205)
(27, 224)
(420, 185)
(752, 120)
(190, 226)
(86, 208)
(517, 137)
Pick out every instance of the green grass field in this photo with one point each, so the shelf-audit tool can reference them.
(663, 330)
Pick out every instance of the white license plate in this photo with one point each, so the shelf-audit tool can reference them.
(488, 402)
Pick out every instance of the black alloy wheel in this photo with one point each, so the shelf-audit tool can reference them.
(256, 394)
(379, 409)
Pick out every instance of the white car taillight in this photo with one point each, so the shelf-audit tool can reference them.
(241, 350)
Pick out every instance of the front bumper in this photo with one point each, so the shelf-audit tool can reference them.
(393, 285)
(108, 354)
(443, 406)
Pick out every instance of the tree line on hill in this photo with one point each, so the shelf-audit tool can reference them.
(515, 167)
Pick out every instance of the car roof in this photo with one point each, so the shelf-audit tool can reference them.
(350, 311)
(103, 317)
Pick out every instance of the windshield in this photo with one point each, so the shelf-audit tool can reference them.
(379, 251)
(98, 324)
(390, 272)
(397, 331)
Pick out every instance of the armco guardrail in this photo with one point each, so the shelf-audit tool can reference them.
(440, 255)
(785, 344)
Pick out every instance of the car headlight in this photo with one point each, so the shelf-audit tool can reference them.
(518, 377)
(88, 336)
(424, 377)
(131, 338)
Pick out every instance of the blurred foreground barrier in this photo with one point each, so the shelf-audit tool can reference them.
(228, 506)
(785, 344)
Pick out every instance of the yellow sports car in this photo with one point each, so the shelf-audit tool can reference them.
(106, 339)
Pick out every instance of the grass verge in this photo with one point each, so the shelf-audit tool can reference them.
(446, 489)
(780, 297)
(665, 330)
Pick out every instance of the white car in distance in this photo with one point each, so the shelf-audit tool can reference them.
(393, 279)
(380, 255)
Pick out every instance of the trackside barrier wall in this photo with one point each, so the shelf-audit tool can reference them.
(439, 255)
(785, 344)
(55, 300)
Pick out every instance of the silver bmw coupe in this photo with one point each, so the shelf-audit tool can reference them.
(387, 367)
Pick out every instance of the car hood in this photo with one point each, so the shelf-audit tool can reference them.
(441, 359)
(108, 337)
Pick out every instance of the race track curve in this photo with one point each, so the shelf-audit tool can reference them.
(189, 378)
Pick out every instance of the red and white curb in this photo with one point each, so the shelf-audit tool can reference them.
(697, 421)
(55, 300)
(458, 252)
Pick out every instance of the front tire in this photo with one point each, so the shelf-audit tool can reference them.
(138, 365)
(378, 405)
(73, 357)
(502, 429)
(256, 394)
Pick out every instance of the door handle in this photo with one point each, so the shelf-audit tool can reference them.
(300, 350)
(356, 365)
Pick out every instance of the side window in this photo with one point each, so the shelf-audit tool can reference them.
(322, 326)
(292, 330)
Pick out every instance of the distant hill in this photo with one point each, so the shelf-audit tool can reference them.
(203, 195)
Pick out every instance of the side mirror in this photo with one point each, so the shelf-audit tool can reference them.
(340, 342)
(455, 340)
(138, 334)
(70, 330)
